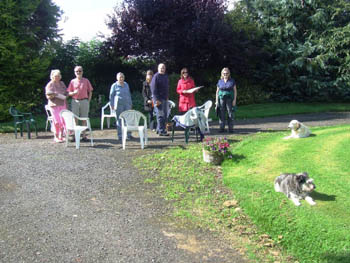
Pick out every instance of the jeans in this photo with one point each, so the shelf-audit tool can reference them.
(162, 113)
(226, 106)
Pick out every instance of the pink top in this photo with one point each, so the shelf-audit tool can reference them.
(186, 100)
(56, 88)
(83, 86)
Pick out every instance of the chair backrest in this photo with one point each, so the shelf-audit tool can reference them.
(108, 105)
(206, 107)
(13, 111)
(69, 119)
(132, 118)
(48, 111)
(171, 105)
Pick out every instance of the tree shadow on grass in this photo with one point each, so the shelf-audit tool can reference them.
(237, 157)
(336, 258)
(322, 197)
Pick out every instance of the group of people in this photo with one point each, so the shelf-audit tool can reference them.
(155, 92)
(79, 88)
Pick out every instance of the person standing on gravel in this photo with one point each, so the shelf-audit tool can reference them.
(160, 95)
(120, 100)
(56, 94)
(80, 89)
(147, 99)
(226, 95)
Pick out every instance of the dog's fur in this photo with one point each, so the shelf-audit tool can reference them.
(298, 130)
(295, 187)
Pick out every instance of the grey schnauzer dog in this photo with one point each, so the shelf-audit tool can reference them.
(295, 187)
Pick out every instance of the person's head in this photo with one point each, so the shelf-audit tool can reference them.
(55, 75)
(120, 77)
(225, 73)
(161, 68)
(184, 73)
(149, 75)
(78, 70)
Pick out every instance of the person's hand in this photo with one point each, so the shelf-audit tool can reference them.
(158, 103)
(184, 91)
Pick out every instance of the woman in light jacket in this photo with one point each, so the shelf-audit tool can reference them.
(120, 100)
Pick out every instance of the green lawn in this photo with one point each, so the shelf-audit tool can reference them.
(312, 233)
(317, 233)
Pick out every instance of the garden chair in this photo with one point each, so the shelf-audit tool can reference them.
(70, 125)
(131, 122)
(171, 105)
(49, 118)
(108, 115)
(192, 119)
(21, 118)
(206, 109)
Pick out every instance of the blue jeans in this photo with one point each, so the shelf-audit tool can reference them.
(162, 113)
(226, 106)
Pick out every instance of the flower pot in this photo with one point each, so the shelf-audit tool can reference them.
(212, 157)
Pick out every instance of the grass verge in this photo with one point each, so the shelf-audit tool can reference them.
(271, 228)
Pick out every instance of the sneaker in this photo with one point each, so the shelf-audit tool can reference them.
(163, 134)
(72, 139)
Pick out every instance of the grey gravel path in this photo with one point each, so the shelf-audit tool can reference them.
(60, 204)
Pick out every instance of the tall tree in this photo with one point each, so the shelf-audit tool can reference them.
(184, 32)
(26, 28)
(310, 44)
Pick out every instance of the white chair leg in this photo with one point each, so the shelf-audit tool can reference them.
(77, 139)
(67, 137)
(124, 135)
(141, 138)
(108, 122)
(102, 120)
(47, 123)
(91, 139)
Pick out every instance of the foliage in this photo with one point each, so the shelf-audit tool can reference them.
(264, 157)
(308, 42)
(179, 32)
(26, 31)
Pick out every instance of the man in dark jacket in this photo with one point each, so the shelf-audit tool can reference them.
(160, 95)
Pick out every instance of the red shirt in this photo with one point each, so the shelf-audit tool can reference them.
(83, 86)
(186, 100)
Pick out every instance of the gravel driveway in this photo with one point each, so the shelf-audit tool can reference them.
(60, 204)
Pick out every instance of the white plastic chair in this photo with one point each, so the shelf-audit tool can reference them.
(70, 125)
(49, 118)
(206, 108)
(111, 114)
(131, 122)
(171, 105)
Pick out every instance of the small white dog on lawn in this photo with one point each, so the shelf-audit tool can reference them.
(298, 129)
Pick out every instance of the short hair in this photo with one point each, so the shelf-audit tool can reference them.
(120, 74)
(54, 72)
(149, 72)
(78, 67)
(222, 72)
(160, 64)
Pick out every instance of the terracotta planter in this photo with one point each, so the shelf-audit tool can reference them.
(212, 157)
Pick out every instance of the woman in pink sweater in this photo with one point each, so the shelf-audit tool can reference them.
(56, 94)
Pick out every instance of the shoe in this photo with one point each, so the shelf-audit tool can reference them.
(163, 134)
(72, 139)
(130, 137)
(84, 139)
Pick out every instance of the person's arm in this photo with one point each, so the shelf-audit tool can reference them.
(234, 95)
(112, 96)
(154, 90)
(70, 90)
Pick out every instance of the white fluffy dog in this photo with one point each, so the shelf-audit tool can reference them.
(298, 129)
